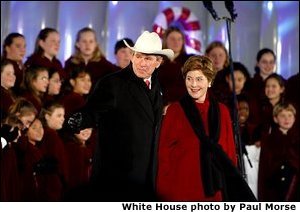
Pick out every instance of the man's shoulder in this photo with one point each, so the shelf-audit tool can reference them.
(114, 79)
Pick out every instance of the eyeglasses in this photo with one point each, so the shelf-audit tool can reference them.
(43, 78)
(265, 62)
(56, 81)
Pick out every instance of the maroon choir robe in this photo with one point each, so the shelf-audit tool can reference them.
(39, 60)
(30, 178)
(96, 69)
(72, 102)
(171, 79)
(36, 101)
(9, 174)
(79, 162)
(55, 180)
(279, 162)
(6, 101)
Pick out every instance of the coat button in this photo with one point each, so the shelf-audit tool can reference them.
(283, 179)
(282, 167)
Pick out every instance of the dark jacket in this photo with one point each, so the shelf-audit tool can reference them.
(128, 116)
(279, 163)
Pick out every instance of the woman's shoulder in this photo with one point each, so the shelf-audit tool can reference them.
(174, 108)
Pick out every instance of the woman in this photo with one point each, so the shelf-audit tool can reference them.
(35, 85)
(55, 83)
(47, 46)
(8, 79)
(182, 146)
(274, 92)
(88, 56)
(29, 161)
(217, 52)
(52, 117)
(265, 66)
(80, 85)
(14, 50)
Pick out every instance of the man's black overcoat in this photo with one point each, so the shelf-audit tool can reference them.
(128, 116)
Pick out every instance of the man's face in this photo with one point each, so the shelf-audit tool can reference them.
(145, 64)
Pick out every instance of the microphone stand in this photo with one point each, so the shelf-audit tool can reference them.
(240, 148)
(236, 128)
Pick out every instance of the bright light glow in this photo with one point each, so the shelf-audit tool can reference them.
(68, 46)
(279, 51)
(114, 3)
(90, 25)
(20, 27)
(270, 6)
(43, 25)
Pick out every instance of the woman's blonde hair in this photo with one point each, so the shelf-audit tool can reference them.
(219, 44)
(283, 106)
(22, 107)
(97, 54)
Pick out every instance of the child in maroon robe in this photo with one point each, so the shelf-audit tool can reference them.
(279, 158)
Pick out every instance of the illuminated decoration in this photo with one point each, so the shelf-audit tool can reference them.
(184, 19)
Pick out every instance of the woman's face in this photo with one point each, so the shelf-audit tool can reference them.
(175, 41)
(17, 50)
(218, 56)
(35, 132)
(239, 81)
(87, 44)
(82, 84)
(197, 84)
(56, 119)
(51, 44)
(27, 119)
(54, 84)
(8, 77)
(40, 84)
(267, 64)
(273, 89)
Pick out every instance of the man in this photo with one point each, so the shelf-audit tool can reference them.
(127, 111)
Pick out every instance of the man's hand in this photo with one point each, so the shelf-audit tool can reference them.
(74, 122)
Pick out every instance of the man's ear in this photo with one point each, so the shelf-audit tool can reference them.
(47, 117)
(72, 82)
(159, 61)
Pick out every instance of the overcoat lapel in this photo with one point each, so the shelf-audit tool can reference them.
(139, 95)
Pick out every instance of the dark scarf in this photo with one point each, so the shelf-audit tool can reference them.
(211, 176)
(217, 170)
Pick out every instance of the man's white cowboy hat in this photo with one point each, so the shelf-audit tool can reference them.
(150, 43)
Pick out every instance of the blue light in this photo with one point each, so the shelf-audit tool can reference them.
(270, 6)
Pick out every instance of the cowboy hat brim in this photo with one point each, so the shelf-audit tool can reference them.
(166, 52)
